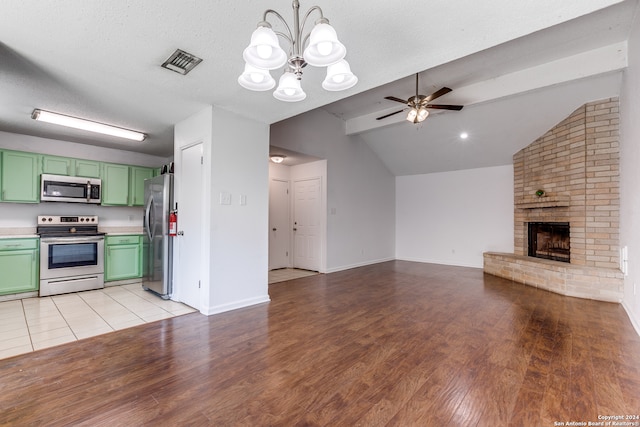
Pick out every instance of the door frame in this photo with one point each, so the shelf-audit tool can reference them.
(287, 211)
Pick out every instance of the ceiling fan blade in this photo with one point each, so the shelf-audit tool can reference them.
(437, 94)
(445, 107)
(388, 115)
(393, 98)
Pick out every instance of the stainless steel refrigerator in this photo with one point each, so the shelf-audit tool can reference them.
(157, 245)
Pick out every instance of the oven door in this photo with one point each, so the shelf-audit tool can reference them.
(71, 256)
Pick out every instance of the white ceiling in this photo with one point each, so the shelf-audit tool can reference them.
(518, 60)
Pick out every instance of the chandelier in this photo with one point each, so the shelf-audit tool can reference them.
(323, 49)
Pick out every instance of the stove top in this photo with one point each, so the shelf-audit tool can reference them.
(66, 226)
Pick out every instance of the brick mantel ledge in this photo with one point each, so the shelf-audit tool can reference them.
(602, 284)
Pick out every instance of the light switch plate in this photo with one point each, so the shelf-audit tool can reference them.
(225, 198)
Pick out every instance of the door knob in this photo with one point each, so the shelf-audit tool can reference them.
(180, 233)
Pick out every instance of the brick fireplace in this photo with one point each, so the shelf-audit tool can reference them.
(569, 176)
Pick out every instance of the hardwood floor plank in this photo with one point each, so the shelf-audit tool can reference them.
(396, 343)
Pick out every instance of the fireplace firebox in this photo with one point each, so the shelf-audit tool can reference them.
(550, 240)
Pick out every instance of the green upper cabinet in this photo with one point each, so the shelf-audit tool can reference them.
(57, 165)
(20, 179)
(71, 167)
(136, 184)
(87, 168)
(115, 184)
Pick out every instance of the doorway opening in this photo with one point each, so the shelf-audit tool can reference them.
(297, 214)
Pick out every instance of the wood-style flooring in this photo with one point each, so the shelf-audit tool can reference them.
(396, 343)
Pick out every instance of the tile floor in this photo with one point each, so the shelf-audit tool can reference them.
(34, 323)
(283, 274)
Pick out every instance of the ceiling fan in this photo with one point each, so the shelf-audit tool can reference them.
(419, 105)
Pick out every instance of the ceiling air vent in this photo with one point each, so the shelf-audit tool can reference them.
(181, 62)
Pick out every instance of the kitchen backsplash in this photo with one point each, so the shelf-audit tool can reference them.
(24, 215)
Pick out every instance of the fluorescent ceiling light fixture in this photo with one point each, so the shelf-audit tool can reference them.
(323, 49)
(88, 125)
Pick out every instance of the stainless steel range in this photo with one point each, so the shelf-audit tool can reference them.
(71, 254)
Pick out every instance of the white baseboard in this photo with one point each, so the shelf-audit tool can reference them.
(360, 264)
(216, 309)
(441, 262)
(635, 322)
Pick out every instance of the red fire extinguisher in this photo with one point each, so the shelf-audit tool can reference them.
(173, 223)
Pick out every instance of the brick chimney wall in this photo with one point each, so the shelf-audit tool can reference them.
(576, 164)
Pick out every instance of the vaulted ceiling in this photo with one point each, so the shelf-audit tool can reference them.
(527, 63)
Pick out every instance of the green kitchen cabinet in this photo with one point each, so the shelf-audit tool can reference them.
(136, 184)
(19, 264)
(87, 168)
(57, 165)
(123, 257)
(20, 177)
(115, 184)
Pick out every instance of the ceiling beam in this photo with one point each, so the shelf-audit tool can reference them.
(586, 64)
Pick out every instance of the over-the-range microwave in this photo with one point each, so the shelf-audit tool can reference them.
(60, 188)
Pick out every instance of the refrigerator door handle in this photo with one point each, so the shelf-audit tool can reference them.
(148, 219)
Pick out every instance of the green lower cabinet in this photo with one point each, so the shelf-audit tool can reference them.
(123, 257)
(19, 264)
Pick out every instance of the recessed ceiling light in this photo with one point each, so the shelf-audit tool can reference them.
(464, 135)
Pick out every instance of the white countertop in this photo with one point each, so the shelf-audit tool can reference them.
(19, 236)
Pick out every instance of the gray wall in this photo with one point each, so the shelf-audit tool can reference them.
(360, 189)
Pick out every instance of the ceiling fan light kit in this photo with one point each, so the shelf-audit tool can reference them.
(323, 49)
(419, 105)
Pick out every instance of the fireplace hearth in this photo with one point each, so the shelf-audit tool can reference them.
(550, 240)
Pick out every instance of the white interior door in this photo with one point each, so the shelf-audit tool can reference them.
(190, 226)
(279, 225)
(306, 224)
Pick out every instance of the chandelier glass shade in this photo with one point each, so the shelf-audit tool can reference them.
(257, 79)
(323, 49)
(289, 88)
